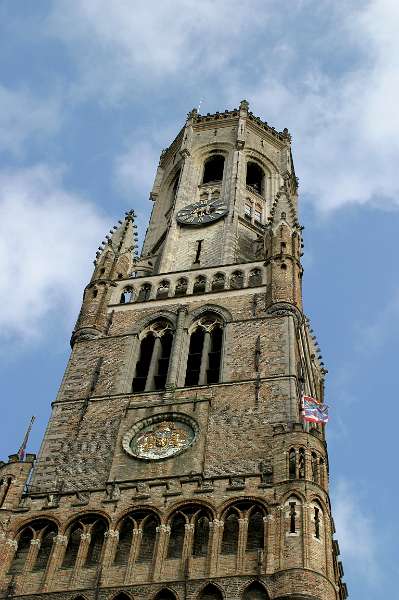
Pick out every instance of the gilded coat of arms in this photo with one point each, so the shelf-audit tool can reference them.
(162, 440)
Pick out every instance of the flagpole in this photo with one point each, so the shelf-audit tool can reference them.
(22, 448)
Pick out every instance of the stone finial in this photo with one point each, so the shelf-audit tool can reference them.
(244, 105)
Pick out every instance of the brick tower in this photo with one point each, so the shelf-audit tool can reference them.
(176, 464)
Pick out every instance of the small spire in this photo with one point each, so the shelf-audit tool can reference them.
(122, 238)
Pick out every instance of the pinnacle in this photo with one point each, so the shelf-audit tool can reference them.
(122, 238)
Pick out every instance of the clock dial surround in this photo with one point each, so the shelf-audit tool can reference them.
(202, 213)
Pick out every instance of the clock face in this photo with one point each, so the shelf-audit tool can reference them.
(202, 213)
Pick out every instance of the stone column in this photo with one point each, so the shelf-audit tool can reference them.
(242, 539)
(32, 555)
(57, 554)
(111, 542)
(81, 556)
(150, 383)
(11, 547)
(134, 549)
(163, 533)
(177, 348)
(216, 532)
(204, 358)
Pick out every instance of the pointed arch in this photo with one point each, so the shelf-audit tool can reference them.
(22, 551)
(256, 529)
(255, 591)
(165, 594)
(230, 533)
(210, 592)
(124, 542)
(46, 546)
(122, 596)
(148, 536)
(176, 538)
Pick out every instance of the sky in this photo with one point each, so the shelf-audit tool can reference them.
(90, 92)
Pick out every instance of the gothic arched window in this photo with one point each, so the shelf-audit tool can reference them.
(181, 287)
(144, 293)
(22, 551)
(255, 531)
(255, 278)
(237, 280)
(255, 178)
(205, 352)
(255, 591)
(292, 463)
(89, 529)
(213, 169)
(124, 542)
(210, 592)
(97, 533)
(165, 594)
(163, 289)
(201, 534)
(46, 545)
(199, 285)
(42, 531)
(148, 528)
(230, 534)
(127, 295)
(315, 468)
(154, 356)
(218, 282)
(176, 538)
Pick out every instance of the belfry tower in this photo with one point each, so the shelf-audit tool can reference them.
(176, 464)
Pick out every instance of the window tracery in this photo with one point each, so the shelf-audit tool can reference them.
(154, 356)
(205, 351)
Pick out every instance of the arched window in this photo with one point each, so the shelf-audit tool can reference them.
(44, 532)
(322, 472)
(255, 591)
(127, 295)
(46, 546)
(89, 525)
(218, 282)
(97, 532)
(230, 534)
(153, 363)
(213, 169)
(201, 534)
(176, 538)
(205, 351)
(148, 527)
(144, 293)
(255, 278)
(165, 594)
(22, 551)
(73, 545)
(199, 285)
(121, 596)
(163, 289)
(237, 280)
(255, 178)
(255, 532)
(210, 592)
(292, 463)
(302, 464)
(181, 287)
(124, 542)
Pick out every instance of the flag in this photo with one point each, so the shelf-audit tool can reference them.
(314, 411)
(21, 451)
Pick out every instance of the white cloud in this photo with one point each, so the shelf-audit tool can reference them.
(134, 169)
(48, 237)
(356, 532)
(24, 116)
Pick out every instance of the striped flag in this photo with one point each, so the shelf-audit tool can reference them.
(313, 411)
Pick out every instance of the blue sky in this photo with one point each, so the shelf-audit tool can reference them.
(90, 92)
